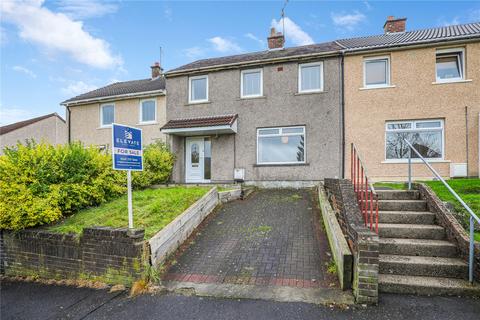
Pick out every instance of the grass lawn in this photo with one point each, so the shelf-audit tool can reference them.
(391, 185)
(467, 189)
(153, 209)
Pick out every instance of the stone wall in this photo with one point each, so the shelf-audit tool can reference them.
(361, 240)
(100, 253)
(453, 228)
(340, 250)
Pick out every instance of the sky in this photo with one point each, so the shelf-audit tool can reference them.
(53, 50)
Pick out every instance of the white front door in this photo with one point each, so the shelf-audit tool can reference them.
(194, 160)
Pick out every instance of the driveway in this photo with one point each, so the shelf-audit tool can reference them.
(272, 238)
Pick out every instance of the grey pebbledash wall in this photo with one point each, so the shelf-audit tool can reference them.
(363, 242)
(105, 254)
(281, 105)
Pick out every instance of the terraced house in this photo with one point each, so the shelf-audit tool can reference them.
(139, 103)
(265, 117)
(420, 85)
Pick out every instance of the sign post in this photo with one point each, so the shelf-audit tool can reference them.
(127, 155)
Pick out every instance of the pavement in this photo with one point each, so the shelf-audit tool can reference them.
(273, 238)
(27, 300)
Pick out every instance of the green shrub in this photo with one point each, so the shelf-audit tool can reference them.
(40, 183)
(158, 164)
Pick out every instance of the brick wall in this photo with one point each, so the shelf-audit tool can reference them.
(453, 228)
(362, 241)
(104, 254)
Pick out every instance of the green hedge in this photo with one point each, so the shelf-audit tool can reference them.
(40, 183)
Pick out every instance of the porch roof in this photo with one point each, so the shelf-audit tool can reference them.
(221, 124)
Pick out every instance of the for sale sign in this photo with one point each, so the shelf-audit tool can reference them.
(127, 150)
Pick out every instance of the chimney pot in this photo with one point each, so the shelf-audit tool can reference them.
(156, 70)
(276, 40)
(393, 25)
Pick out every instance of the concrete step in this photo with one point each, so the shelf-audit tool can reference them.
(409, 217)
(423, 266)
(402, 205)
(398, 194)
(410, 231)
(426, 285)
(417, 247)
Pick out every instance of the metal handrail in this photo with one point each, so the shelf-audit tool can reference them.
(473, 216)
(367, 197)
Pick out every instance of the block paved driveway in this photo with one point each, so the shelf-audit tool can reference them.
(272, 238)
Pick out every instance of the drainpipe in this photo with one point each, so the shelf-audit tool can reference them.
(68, 117)
(466, 137)
(342, 122)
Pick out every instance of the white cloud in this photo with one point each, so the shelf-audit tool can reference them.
(12, 115)
(194, 52)
(251, 36)
(24, 70)
(168, 13)
(475, 15)
(453, 21)
(367, 5)
(224, 45)
(58, 33)
(3, 36)
(293, 32)
(77, 87)
(348, 21)
(83, 9)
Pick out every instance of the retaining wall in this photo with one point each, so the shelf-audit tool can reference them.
(363, 243)
(105, 254)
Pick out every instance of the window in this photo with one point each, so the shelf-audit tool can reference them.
(198, 89)
(376, 72)
(450, 65)
(251, 83)
(310, 77)
(281, 145)
(107, 115)
(148, 111)
(425, 135)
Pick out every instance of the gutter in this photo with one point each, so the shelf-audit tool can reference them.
(253, 62)
(114, 97)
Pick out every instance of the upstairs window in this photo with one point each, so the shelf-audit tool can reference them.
(107, 115)
(251, 83)
(425, 135)
(310, 77)
(148, 111)
(376, 72)
(198, 89)
(450, 65)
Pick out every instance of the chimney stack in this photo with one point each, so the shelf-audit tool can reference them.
(276, 40)
(156, 70)
(393, 25)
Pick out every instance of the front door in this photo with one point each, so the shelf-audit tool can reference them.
(195, 160)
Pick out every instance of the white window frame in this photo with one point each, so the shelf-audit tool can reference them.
(280, 134)
(190, 79)
(141, 112)
(462, 65)
(414, 129)
(242, 95)
(320, 64)
(101, 114)
(372, 86)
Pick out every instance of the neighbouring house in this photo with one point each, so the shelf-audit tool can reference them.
(268, 118)
(49, 128)
(138, 103)
(422, 85)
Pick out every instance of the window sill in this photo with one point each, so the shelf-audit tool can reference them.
(405, 161)
(453, 81)
(252, 98)
(281, 164)
(309, 92)
(147, 123)
(197, 103)
(104, 127)
(379, 87)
